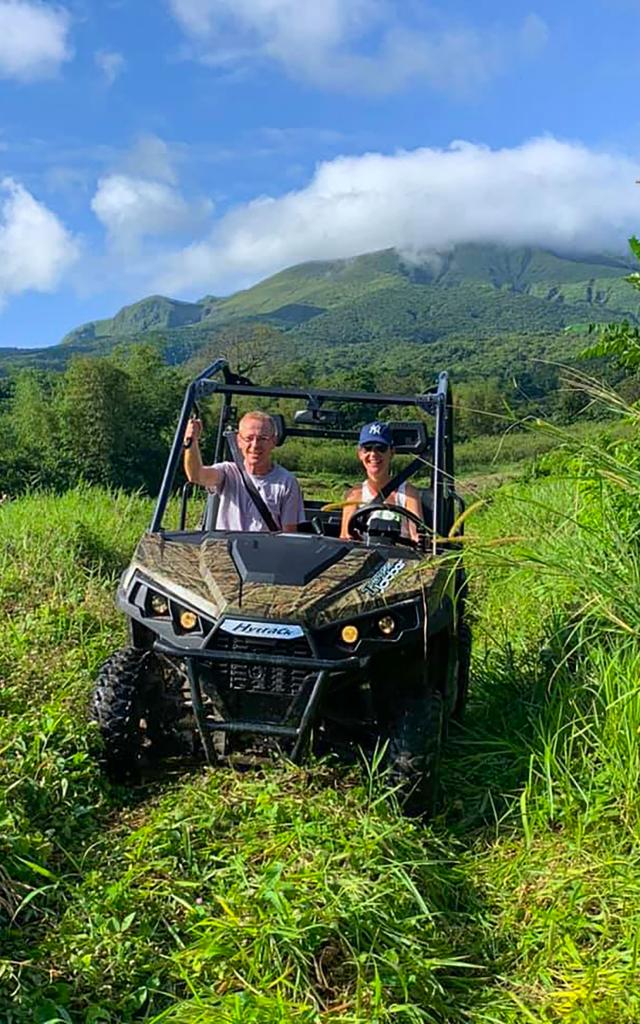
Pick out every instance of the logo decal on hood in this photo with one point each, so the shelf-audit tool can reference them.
(383, 578)
(270, 630)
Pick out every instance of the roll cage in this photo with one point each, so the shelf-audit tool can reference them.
(436, 451)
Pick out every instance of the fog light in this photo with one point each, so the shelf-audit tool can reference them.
(349, 634)
(188, 620)
(387, 625)
(159, 605)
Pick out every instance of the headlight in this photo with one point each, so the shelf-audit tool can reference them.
(387, 625)
(188, 620)
(158, 604)
(350, 634)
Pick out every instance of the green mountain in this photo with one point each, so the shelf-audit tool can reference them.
(472, 294)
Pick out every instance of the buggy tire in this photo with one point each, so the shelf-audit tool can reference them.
(413, 753)
(118, 707)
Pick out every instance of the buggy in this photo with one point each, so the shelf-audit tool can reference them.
(249, 641)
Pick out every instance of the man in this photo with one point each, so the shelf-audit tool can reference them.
(375, 451)
(277, 487)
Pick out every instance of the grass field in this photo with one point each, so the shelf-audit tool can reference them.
(301, 894)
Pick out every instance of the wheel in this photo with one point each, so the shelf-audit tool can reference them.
(128, 687)
(165, 712)
(413, 753)
(409, 708)
(464, 668)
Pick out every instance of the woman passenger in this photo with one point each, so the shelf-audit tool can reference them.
(375, 450)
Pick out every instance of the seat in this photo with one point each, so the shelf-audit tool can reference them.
(449, 514)
(330, 521)
(280, 428)
(409, 436)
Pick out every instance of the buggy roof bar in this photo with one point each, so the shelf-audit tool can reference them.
(428, 401)
(432, 401)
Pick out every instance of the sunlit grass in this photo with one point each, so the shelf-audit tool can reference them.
(301, 894)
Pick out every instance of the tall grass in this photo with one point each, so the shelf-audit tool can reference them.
(293, 895)
(549, 761)
(301, 894)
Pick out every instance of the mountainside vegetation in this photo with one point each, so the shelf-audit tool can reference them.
(101, 406)
(474, 294)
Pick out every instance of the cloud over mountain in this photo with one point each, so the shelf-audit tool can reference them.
(544, 192)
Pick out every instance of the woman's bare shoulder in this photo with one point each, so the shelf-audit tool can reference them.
(353, 492)
(412, 491)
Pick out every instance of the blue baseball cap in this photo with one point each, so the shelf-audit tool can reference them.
(376, 433)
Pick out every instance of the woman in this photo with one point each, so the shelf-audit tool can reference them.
(375, 450)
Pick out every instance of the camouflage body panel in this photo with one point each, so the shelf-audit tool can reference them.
(206, 576)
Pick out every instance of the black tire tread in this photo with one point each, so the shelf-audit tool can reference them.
(117, 706)
(413, 753)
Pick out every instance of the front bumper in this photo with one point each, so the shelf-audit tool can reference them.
(295, 704)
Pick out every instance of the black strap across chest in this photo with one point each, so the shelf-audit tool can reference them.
(251, 488)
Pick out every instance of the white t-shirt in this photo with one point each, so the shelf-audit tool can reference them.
(278, 488)
(398, 497)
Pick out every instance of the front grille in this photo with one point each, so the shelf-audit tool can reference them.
(263, 677)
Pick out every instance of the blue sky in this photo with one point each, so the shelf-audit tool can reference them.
(196, 146)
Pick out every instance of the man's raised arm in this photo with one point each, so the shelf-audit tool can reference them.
(196, 472)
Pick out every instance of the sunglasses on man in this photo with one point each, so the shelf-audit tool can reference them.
(375, 446)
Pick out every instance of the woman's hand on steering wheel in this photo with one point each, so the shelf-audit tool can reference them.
(359, 521)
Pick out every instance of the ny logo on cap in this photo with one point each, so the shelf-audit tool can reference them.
(375, 428)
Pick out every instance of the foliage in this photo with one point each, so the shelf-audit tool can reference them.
(620, 340)
(104, 421)
(301, 894)
(472, 293)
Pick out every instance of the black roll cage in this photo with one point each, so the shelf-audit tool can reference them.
(437, 402)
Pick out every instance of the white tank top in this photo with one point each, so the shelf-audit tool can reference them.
(398, 497)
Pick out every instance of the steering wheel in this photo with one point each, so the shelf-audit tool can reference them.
(360, 519)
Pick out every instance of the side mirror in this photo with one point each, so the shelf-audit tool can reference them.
(315, 416)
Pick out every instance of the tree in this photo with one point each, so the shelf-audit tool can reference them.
(32, 431)
(620, 340)
(248, 348)
(96, 429)
(480, 408)
(154, 393)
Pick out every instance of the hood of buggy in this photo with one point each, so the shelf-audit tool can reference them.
(311, 580)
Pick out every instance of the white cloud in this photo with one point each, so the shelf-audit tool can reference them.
(35, 247)
(545, 192)
(110, 63)
(33, 39)
(326, 43)
(151, 157)
(132, 208)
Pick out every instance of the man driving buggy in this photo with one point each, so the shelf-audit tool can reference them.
(276, 486)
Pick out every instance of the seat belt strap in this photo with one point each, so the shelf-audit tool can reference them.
(252, 490)
(399, 479)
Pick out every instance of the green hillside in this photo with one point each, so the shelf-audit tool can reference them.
(152, 314)
(475, 292)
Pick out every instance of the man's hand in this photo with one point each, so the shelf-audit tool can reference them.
(193, 432)
(196, 473)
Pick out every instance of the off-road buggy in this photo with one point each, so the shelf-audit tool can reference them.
(242, 641)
